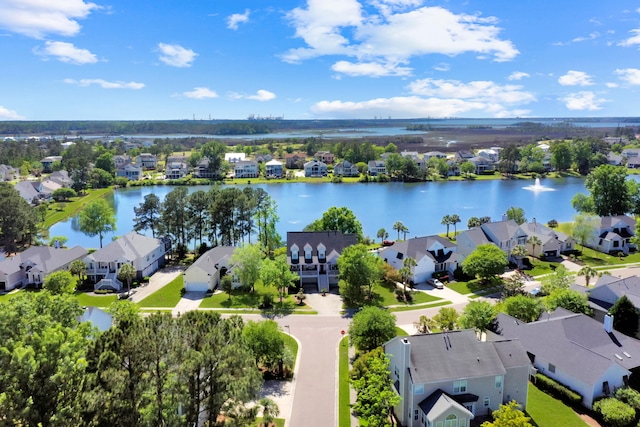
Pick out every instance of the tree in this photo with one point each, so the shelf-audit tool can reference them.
(519, 252)
(485, 261)
(568, 299)
(447, 319)
(226, 284)
(99, 178)
(78, 268)
(97, 218)
(584, 227)
(126, 273)
(360, 271)
(534, 241)
(382, 234)
(277, 273)
(478, 315)
(512, 286)
(625, 316)
(270, 411)
(509, 157)
(446, 220)
(105, 163)
(560, 156)
(561, 278)
(455, 219)
(473, 222)
(588, 273)
(371, 327)
(60, 283)
(523, 307)
(509, 415)
(609, 190)
(398, 226)
(63, 194)
(248, 261)
(18, 218)
(266, 342)
(375, 396)
(408, 264)
(424, 325)
(147, 214)
(467, 168)
(338, 219)
(516, 214)
(173, 216)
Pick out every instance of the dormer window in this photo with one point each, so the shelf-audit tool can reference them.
(294, 253)
(307, 252)
(322, 252)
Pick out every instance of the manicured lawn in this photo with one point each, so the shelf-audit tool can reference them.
(167, 296)
(72, 207)
(548, 411)
(541, 267)
(7, 297)
(344, 404)
(278, 421)
(385, 296)
(401, 332)
(416, 307)
(84, 299)
(243, 299)
(475, 287)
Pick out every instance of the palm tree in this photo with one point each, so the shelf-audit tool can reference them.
(405, 230)
(588, 273)
(78, 268)
(398, 226)
(534, 241)
(425, 325)
(270, 411)
(446, 220)
(455, 219)
(126, 273)
(408, 264)
(382, 234)
(519, 252)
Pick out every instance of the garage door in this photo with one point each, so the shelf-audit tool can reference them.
(196, 286)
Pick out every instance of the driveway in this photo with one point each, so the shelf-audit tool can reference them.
(159, 279)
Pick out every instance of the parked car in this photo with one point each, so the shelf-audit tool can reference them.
(436, 283)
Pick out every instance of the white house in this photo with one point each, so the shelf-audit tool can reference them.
(315, 168)
(205, 273)
(376, 167)
(614, 234)
(345, 168)
(130, 171)
(273, 169)
(246, 169)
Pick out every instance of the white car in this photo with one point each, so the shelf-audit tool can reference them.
(437, 284)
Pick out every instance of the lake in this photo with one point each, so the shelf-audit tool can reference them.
(420, 206)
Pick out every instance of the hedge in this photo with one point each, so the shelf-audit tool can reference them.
(614, 412)
(558, 390)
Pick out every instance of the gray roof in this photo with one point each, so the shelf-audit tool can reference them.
(27, 190)
(131, 246)
(609, 221)
(572, 342)
(46, 258)
(438, 403)
(629, 286)
(453, 355)
(475, 235)
(543, 232)
(332, 241)
(502, 230)
(417, 248)
(210, 260)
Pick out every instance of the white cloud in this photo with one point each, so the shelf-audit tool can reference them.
(611, 85)
(261, 95)
(518, 75)
(575, 78)
(629, 75)
(200, 93)
(584, 100)
(339, 27)
(633, 40)
(443, 66)
(67, 52)
(176, 55)
(371, 69)
(238, 18)
(481, 91)
(35, 18)
(105, 84)
(6, 114)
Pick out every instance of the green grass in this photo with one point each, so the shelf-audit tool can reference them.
(344, 402)
(252, 300)
(72, 207)
(385, 297)
(8, 297)
(418, 307)
(401, 332)
(167, 296)
(84, 299)
(547, 411)
(475, 286)
(279, 422)
(292, 345)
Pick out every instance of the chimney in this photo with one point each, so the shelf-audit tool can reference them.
(608, 323)
(406, 354)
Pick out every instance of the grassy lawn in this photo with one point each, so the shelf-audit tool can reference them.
(279, 422)
(344, 404)
(541, 267)
(84, 299)
(401, 332)
(72, 207)
(416, 307)
(241, 299)
(596, 259)
(385, 296)
(7, 297)
(475, 286)
(548, 411)
(167, 296)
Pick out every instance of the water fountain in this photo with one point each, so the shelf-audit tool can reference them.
(537, 187)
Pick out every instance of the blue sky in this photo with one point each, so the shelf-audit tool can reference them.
(317, 59)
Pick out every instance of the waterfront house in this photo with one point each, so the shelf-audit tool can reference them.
(608, 290)
(313, 255)
(491, 154)
(47, 163)
(61, 177)
(147, 161)
(436, 154)
(468, 240)
(34, 264)
(315, 168)
(420, 162)
(613, 235)
(295, 160)
(33, 191)
(376, 167)
(482, 164)
(176, 167)
(463, 156)
(121, 160)
(205, 273)
(447, 379)
(146, 254)
(9, 173)
(273, 169)
(630, 152)
(325, 157)
(432, 254)
(579, 352)
(130, 171)
(553, 242)
(505, 234)
(245, 169)
(202, 170)
(345, 168)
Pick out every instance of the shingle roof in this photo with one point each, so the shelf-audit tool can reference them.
(209, 260)
(629, 286)
(502, 230)
(417, 247)
(46, 258)
(438, 403)
(131, 246)
(332, 241)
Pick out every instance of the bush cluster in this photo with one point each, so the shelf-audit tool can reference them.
(557, 389)
(614, 412)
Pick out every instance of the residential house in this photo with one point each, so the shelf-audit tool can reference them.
(579, 352)
(447, 379)
(202, 170)
(313, 255)
(34, 264)
(146, 254)
(463, 156)
(436, 154)
(33, 191)
(315, 168)
(505, 234)
(377, 167)
(345, 168)
(490, 153)
(622, 140)
(205, 273)
(176, 167)
(608, 290)
(9, 173)
(121, 160)
(235, 157)
(246, 169)
(263, 158)
(274, 169)
(147, 161)
(413, 155)
(633, 162)
(468, 240)
(47, 187)
(614, 235)
(482, 164)
(324, 157)
(454, 168)
(130, 171)
(61, 177)
(431, 253)
(553, 242)
(614, 159)
(47, 163)
(295, 160)
(631, 152)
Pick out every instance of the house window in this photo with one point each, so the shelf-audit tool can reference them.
(451, 421)
(415, 415)
(438, 423)
(615, 243)
(552, 368)
(499, 381)
(469, 407)
(307, 253)
(605, 388)
(294, 253)
(321, 252)
(487, 402)
(462, 422)
(459, 386)
(418, 389)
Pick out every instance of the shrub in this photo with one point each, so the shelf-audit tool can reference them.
(267, 301)
(629, 396)
(614, 412)
(558, 390)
